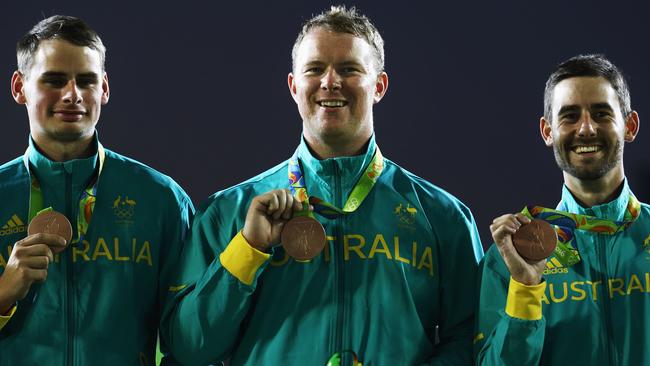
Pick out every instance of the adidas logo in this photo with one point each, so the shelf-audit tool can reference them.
(13, 226)
(553, 266)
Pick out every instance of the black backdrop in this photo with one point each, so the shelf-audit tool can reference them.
(198, 89)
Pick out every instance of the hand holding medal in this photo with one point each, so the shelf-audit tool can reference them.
(303, 237)
(270, 214)
(536, 240)
(49, 233)
(51, 222)
(527, 271)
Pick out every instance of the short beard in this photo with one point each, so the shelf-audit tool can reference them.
(594, 173)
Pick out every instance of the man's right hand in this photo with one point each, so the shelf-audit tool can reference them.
(522, 270)
(266, 217)
(27, 265)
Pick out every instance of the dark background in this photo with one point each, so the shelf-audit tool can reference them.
(198, 89)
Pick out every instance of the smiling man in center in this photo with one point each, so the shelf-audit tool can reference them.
(393, 283)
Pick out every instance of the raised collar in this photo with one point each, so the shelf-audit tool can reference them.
(613, 210)
(325, 172)
(53, 173)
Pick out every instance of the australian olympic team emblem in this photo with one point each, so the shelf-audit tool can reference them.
(124, 210)
(406, 215)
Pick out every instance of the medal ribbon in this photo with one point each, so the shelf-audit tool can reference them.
(359, 191)
(86, 199)
(565, 223)
(335, 360)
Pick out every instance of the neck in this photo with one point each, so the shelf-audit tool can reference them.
(594, 192)
(63, 151)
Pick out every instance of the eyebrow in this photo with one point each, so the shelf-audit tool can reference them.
(343, 63)
(602, 106)
(313, 62)
(574, 107)
(63, 74)
(568, 108)
(53, 74)
(350, 62)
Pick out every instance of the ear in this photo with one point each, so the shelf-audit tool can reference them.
(631, 126)
(291, 81)
(106, 91)
(18, 87)
(546, 130)
(381, 86)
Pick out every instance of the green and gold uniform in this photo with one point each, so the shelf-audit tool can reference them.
(102, 300)
(591, 313)
(400, 266)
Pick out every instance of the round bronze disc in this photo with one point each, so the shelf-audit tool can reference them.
(303, 237)
(51, 222)
(536, 240)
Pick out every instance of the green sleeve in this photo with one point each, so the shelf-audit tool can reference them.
(177, 226)
(460, 251)
(500, 338)
(204, 325)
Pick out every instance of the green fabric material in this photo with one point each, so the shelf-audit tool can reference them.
(102, 300)
(593, 311)
(374, 298)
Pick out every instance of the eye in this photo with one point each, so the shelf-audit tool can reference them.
(570, 117)
(313, 70)
(86, 82)
(349, 70)
(601, 114)
(55, 82)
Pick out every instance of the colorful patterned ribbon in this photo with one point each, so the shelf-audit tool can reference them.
(86, 200)
(566, 223)
(335, 360)
(359, 191)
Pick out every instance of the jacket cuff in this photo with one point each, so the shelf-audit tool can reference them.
(4, 318)
(242, 260)
(525, 302)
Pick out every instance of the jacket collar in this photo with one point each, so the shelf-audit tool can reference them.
(52, 173)
(613, 210)
(322, 175)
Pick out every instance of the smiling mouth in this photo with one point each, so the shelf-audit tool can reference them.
(586, 149)
(70, 112)
(332, 103)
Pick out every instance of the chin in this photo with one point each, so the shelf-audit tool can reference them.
(335, 135)
(69, 134)
(593, 172)
(585, 174)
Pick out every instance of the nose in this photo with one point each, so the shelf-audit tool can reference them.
(71, 93)
(587, 127)
(331, 80)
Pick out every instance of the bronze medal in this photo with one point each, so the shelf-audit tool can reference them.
(51, 222)
(303, 237)
(535, 240)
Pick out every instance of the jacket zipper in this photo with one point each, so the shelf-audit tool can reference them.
(340, 299)
(69, 302)
(602, 251)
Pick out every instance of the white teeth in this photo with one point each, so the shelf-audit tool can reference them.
(332, 103)
(587, 149)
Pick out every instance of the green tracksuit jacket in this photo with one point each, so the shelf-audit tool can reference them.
(102, 300)
(402, 264)
(596, 312)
